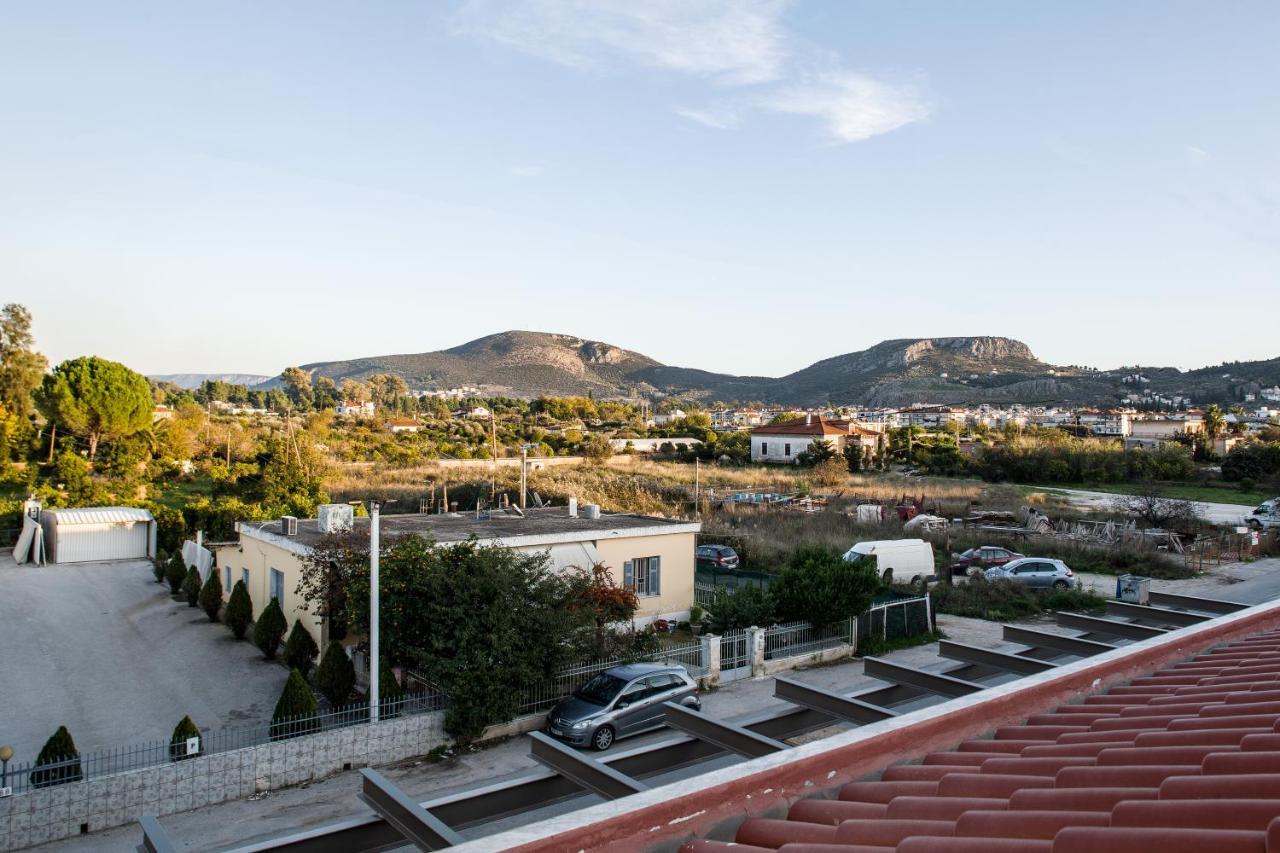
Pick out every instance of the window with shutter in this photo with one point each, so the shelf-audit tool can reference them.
(655, 575)
(629, 575)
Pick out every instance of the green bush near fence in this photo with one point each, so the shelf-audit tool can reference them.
(184, 731)
(336, 675)
(295, 712)
(191, 587)
(58, 761)
(1004, 600)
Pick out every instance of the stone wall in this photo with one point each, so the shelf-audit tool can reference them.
(61, 811)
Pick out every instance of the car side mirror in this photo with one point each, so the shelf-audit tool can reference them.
(622, 703)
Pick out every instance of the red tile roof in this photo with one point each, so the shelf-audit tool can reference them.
(1184, 759)
(817, 426)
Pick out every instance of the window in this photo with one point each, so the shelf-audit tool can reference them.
(226, 579)
(244, 576)
(643, 575)
(786, 450)
(764, 448)
(277, 585)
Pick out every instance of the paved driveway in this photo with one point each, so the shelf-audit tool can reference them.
(103, 649)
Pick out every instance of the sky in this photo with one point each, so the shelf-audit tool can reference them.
(744, 187)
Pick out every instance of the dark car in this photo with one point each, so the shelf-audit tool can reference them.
(983, 557)
(621, 701)
(717, 557)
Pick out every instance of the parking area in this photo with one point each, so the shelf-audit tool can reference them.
(104, 650)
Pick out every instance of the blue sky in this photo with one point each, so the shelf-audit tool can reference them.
(739, 186)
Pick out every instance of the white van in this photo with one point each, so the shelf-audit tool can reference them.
(1265, 516)
(908, 561)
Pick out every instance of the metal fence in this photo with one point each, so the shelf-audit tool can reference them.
(801, 638)
(107, 762)
(892, 620)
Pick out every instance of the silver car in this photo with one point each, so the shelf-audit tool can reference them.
(1036, 572)
(619, 702)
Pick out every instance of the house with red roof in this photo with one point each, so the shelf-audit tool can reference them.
(782, 443)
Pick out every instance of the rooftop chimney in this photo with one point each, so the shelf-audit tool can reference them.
(573, 507)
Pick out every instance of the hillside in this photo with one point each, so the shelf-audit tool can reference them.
(195, 380)
(895, 372)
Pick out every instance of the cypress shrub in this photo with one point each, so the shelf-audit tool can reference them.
(160, 567)
(175, 573)
(211, 595)
(239, 610)
(191, 587)
(336, 675)
(295, 712)
(390, 693)
(58, 761)
(300, 649)
(269, 630)
(178, 743)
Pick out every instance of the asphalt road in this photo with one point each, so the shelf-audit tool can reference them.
(1213, 512)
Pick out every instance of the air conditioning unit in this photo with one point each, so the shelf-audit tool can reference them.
(591, 511)
(289, 525)
(334, 518)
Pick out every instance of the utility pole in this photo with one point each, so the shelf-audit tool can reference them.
(374, 662)
(228, 447)
(697, 483)
(493, 451)
(524, 477)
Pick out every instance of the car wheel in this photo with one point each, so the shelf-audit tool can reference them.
(1060, 585)
(602, 739)
(886, 577)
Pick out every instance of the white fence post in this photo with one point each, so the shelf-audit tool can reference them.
(711, 659)
(756, 645)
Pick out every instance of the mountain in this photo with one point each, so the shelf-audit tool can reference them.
(896, 372)
(195, 380)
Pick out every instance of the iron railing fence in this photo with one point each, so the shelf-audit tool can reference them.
(801, 638)
(25, 776)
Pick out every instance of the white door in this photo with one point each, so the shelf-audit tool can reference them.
(82, 543)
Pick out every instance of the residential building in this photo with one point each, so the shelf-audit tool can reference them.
(651, 445)
(783, 443)
(356, 409)
(1151, 433)
(399, 425)
(664, 418)
(652, 556)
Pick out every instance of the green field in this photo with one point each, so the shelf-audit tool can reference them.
(1209, 493)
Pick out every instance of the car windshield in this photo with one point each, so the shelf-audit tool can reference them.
(602, 689)
(862, 559)
(970, 552)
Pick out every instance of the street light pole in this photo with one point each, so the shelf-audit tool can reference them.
(374, 659)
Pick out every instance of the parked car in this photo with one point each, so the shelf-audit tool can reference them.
(982, 557)
(905, 561)
(620, 702)
(717, 557)
(1036, 572)
(1267, 515)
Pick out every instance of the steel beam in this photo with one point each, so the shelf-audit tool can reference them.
(1108, 627)
(154, 837)
(595, 776)
(727, 736)
(993, 659)
(1159, 615)
(402, 812)
(943, 685)
(829, 702)
(1058, 642)
(1192, 602)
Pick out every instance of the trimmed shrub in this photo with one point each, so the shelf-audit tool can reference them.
(390, 693)
(336, 675)
(175, 573)
(191, 587)
(239, 610)
(300, 650)
(178, 743)
(295, 712)
(160, 567)
(58, 761)
(269, 630)
(211, 595)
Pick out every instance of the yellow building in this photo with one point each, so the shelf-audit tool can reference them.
(652, 556)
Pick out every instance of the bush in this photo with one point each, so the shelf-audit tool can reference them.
(160, 568)
(269, 630)
(734, 608)
(184, 731)
(295, 712)
(300, 649)
(211, 595)
(176, 573)
(191, 587)
(239, 610)
(336, 675)
(58, 761)
(821, 587)
(390, 693)
(1004, 600)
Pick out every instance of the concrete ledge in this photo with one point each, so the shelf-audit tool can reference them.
(663, 817)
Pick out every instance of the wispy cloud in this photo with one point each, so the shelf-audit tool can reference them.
(1197, 156)
(525, 171)
(741, 49)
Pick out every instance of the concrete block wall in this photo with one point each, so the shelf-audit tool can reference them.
(62, 811)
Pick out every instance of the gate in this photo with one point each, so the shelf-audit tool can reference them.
(735, 656)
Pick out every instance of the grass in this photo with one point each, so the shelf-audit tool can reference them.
(874, 646)
(1003, 601)
(1222, 493)
(178, 493)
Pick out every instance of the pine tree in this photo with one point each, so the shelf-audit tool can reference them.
(176, 573)
(211, 595)
(58, 761)
(191, 587)
(178, 743)
(239, 610)
(269, 630)
(336, 675)
(300, 649)
(295, 710)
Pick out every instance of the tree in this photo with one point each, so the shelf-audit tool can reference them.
(336, 675)
(96, 399)
(1154, 509)
(300, 649)
(58, 761)
(831, 472)
(160, 567)
(191, 587)
(184, 731)
(596, 448)
(735, 608)
(853, 457)
(239, 610)
(820, 587)
(297, 387)
(354, 391)
(605, 602)
(211, 595)
(21, 367)
(390, 693)
(1213, 422)
(176, 573)
(295, 712)
(818, 451)
(269, 630)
